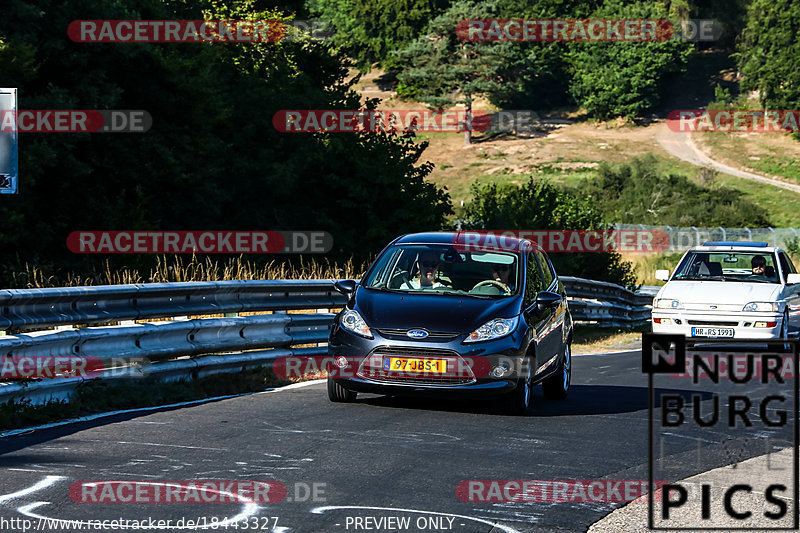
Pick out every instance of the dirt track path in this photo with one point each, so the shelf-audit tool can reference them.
(681, 145)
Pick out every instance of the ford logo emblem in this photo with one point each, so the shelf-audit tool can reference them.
(713, 306)
(417, 333)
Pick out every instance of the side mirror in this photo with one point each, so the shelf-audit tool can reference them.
(662, 275)
(544, 300)
(791, 279)
(346, 287)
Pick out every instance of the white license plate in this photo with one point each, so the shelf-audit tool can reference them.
(712, 332)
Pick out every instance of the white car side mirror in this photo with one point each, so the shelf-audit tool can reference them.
(792, 279)
(663, 275)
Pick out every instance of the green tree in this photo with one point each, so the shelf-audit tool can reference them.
(212, 159)
(611, 79)
(769, 52)
(370, 30)
(445, 70)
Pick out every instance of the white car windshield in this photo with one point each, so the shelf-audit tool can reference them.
(441, 269)
(755, 267)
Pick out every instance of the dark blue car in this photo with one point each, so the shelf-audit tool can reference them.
(454, 313)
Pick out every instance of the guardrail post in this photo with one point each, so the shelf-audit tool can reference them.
(671, 242)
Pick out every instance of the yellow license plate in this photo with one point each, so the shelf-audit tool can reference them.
(403, 364)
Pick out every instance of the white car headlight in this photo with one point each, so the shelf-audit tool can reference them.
(352, 322)
(664, 303)
(762, 306)
(494, 329)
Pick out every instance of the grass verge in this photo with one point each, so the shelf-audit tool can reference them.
(593, 339)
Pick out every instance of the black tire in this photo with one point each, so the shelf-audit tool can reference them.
(556, 387)
(337, 393)
(782, 347)
(519, 402)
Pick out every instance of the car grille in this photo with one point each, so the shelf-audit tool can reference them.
(402, 334)
(710, 323)
(458, 373)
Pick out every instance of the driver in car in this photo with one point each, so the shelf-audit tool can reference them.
(760, 268)
(502, 273)
(428, 265)
(759, 265)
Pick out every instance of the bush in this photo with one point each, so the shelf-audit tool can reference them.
(638, 193)
(540, 205)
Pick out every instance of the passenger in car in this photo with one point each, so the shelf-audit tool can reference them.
(428, 270)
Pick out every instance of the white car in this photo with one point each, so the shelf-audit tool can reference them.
(743, 290)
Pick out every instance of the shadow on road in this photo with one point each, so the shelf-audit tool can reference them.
(582, 400)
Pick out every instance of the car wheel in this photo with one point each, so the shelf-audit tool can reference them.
(556, 387)
(782, 347)
(337, 393)
(520, 400)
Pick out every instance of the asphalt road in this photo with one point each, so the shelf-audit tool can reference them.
(681, 145)
(380, 457)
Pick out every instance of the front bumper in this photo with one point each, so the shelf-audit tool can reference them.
(469, 369)
(743, 324)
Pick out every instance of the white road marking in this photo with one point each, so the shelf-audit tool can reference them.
(321, 510)
(294, 386)
(605, 353)
(43, 484)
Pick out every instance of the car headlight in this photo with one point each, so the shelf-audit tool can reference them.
(352, 322)
(494, 329)
(762, 306)
(663, 303)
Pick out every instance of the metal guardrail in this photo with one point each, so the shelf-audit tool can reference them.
(607, 304)
(186, 348)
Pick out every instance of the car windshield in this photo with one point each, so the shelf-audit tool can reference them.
(441, 269)
(751, 267)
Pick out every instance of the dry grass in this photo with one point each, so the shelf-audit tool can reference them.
(177, 269)
(588, 340)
